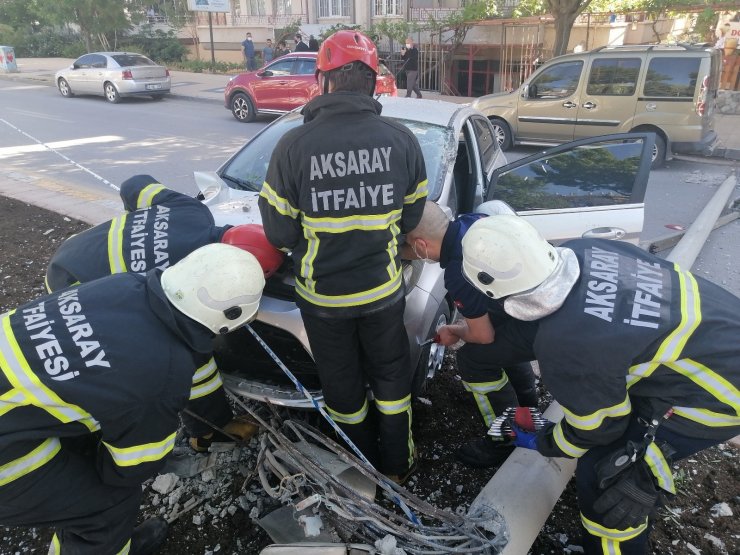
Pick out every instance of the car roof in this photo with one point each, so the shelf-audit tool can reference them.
(437, 112)
(117, 54)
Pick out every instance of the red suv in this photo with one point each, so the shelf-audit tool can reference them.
(284, 84)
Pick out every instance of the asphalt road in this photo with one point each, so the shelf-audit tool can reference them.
(171, 139)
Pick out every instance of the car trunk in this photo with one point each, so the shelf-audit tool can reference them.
(143, 73)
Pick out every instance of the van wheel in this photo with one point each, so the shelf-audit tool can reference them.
(658, 155)
(502, 133)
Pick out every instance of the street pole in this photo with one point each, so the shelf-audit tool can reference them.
(210, 32)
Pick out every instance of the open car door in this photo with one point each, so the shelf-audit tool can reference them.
(592, 188)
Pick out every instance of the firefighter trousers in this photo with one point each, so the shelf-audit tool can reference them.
(349, 353)
(597, 538)
(499, 374)
(90, 517)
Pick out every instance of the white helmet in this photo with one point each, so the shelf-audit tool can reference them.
(504, 255)
(218, 285)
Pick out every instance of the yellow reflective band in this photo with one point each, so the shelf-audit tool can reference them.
(353, 418)
(355, 299)
(30, 462)
(595, 419)
(394, 407)
(54, 547)
(115, 245)
(420, 193)
(612, 533)
(392, 250)
(673, 344)
(277, 202)
(369, 222)
(11, 399)
(485, 408)
(205, 371)
(206, 388)
(707, 417)
(312, 250)
(610, 547)
(138, 454)
(147, 194)
(710, 381)
(126, 549)
(17, 371)
(566, 446)
(659, 467)
(486, 387)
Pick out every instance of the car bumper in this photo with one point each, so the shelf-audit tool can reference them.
(133, 88)
(705, 146)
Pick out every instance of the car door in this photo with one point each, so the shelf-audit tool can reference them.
(593, 188)
(304, 83)
(79, 76)
(271, 90)
(608, 102)
(98, 73)
(547, 107)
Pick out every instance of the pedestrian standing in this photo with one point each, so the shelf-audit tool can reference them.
(93, 380)
(410, 57)
(300, 46)
(267, 52)
(641, 354)
(339, 190)
(282, 49)
(248, 50)
(313, 44)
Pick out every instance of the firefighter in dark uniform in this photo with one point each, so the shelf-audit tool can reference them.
(159, 228)
(110, 362)
(641, 354)
(495, 384)
(338, 192)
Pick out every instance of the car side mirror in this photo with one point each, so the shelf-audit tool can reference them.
(266, 73)
(532, 91)
(74, 66)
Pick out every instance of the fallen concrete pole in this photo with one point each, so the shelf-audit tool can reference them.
(527, 486)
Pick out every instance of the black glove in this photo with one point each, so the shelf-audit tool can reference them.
(630, 500)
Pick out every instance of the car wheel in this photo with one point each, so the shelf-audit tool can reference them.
(502, 133)
(658, 155)
(111, 93)
(242, 108)
(64, 88)
(432, 355)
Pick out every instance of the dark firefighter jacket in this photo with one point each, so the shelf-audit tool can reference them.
(111, 357)
(638, 335)
(338, 192)
(160, 228)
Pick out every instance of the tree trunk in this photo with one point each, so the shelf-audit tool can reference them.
(563, 26)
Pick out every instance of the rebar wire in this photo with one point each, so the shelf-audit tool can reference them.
(301, 480)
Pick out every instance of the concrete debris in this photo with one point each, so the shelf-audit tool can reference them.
(721, 509)
(574, 549)
(165, 483)
(207, 475)
(387, 546)
(693, 549)
(716, 542)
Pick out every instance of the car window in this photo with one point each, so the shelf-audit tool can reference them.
(486, 142)
(383, 69)
(248, 168)
(125, 60)
(281, 67)
(305, 66)
(595, 174)
(99, 61)
(84, 61)
(672, 77)
(613, 77)
(558, 81)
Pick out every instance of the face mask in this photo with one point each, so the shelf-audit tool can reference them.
(249, 39)
(425, 259)
(408, 46)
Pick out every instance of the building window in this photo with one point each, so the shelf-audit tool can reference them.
(388, 7)
(334, 8)
(285, 7)
(255, 7)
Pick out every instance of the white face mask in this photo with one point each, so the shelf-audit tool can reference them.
(408, 46)
(425, 259)
(249, 39)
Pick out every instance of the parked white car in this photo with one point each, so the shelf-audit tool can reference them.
(562, 192)
(114, 75)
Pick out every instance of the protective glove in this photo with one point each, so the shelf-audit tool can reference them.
(628, 502)
(524, 438)
(524, 427)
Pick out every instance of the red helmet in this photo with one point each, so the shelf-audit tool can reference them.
(345, 47)
(251, 238)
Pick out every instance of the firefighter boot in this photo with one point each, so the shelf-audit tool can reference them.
(483, 452)
(148, 536)
(240, 427)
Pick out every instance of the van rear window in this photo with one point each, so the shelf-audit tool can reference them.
(672, 77)
(613, 77)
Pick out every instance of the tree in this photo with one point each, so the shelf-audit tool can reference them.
(565, 13)
(21, 14)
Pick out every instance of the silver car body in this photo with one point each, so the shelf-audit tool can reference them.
(461, 156)
(131, 74)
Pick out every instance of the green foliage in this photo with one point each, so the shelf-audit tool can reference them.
(22, 14)
(329, 31)
(394, 30)
(156, 44)
(47, 43)
(288, 32)
(202, 66)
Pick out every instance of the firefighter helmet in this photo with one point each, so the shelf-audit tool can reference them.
(345, 47)
(504, 255)
(251, 238)
(219, 286)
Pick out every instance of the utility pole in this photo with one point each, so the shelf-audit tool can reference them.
(210, 32)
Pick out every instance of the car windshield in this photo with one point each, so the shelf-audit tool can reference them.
(247, 170)
(125, 60)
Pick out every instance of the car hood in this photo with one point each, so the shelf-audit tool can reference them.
(489, 97)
